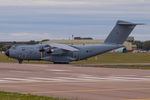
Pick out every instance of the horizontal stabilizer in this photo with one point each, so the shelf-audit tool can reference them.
(128, 23)
(63, 46)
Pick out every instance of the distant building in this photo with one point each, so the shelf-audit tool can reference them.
(83, 38)
(129, 46)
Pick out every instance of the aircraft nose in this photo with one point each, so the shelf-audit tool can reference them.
(7, 53)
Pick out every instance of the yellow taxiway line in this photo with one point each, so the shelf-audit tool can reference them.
(55, 83)
(72, 91)
(47, 84)
(140, 99)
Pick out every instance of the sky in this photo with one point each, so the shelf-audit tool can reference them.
(24, 20)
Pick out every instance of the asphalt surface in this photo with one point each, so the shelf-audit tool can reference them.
(116, 64)
(76, 83)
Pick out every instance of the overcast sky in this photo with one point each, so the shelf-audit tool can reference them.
(22, 20)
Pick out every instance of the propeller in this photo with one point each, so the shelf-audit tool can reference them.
(49, 50)
(9, 59)
(42, 51)
(46, 49)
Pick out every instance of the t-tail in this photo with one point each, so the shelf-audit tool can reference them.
(120, 32)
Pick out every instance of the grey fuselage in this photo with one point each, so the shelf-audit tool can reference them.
(31, 52)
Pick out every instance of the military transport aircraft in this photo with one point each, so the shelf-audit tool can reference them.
(63, 54)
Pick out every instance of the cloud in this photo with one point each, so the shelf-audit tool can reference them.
(40, 2)
(65, 32)
(32, 35)
(25, 36)
(68, 2)
(32, 19)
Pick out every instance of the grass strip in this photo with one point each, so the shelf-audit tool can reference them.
(17, 96)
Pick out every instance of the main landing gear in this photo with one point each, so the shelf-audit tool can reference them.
(20, 61)
(61, 62)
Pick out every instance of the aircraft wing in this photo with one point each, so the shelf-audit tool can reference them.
(63, 46)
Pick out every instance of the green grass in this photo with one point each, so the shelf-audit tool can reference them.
(119, 58)
(104, 58)
(4, 58)
(17, 96)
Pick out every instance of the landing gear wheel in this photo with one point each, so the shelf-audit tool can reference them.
(61, 62)
(20, 61)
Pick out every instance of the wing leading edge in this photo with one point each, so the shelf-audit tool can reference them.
(63, 46)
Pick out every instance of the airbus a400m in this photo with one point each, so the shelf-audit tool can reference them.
(61, 53)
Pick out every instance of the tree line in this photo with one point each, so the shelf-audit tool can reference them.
(142, 45)
(6, 45)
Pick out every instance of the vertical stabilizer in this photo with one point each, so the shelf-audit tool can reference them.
(120, 32)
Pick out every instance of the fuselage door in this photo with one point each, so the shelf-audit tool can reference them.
(76, 55)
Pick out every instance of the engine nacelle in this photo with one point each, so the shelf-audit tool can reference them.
(57, 51)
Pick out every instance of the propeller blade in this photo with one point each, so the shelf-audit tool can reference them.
(41, 55)
(9, 58)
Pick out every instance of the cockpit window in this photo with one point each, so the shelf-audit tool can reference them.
(23, 49)
(13, 47)
(46, 46)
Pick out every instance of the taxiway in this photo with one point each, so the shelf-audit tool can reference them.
(76, 83)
